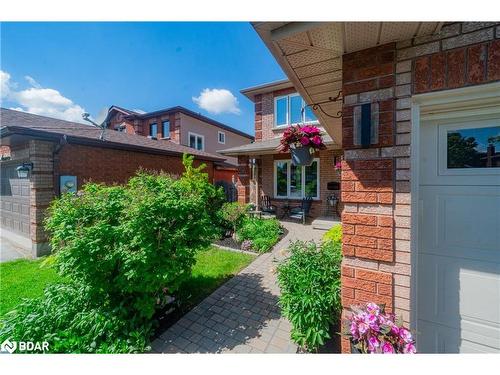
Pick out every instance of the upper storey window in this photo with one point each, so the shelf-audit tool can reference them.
(291, 109)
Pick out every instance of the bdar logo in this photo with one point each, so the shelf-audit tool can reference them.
(9, 346)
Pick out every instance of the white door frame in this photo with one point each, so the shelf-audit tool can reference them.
(470, 101)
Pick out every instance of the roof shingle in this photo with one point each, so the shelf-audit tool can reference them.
(12, 121)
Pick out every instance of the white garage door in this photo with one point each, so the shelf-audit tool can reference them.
(458, 265)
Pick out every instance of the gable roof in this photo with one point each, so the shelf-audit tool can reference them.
(264, 88)
(135, 115)
(16, 122)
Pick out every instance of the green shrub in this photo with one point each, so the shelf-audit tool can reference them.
(264, 233)
(333, 234)
(232, 216)
(310, 291)
(123, 249)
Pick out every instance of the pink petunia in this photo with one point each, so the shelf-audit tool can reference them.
(316, 140)
(373, 343)
(409, 349)
(405, 335)
(387, 348)
(304, 141)
(373, 308)
(362, 328)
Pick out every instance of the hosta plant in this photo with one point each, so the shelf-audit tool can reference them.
(371, 330)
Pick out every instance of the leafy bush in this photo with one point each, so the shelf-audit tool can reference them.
(232, 216)
(264, 233)
(123, 250)
(333, 234)
(310, 291)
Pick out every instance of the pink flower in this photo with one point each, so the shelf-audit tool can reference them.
(354, 330)
(387, 348)
(405, 335)
(373, 343)
(304, 141)
(409, 349)
(373, 308)
(362, 328)
(316, 140)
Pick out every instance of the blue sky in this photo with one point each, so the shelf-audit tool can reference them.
(61, 69)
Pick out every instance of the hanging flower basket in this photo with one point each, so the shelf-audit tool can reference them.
(302, 142)
(302, 155)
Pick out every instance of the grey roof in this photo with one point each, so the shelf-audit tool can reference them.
(263, 147)
(16, 122)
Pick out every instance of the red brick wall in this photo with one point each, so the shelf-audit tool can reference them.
(376, 187)
(459, 67)
(114, 166)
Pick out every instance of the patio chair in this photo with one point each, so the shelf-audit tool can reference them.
(301, 212)
(266, 206)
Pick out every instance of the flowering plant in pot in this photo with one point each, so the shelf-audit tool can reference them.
(371, 330)
(301, 141)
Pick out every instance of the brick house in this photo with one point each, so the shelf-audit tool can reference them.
(266, 172)
(183, 126)
(420, 131)
(59, 152)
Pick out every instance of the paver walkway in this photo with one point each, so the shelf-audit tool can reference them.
(242, 316)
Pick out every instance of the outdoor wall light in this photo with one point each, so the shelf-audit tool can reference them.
(24, 170)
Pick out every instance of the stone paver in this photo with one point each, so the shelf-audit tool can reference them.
(242, 316)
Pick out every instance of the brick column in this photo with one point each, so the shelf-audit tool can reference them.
(243, 181)
(368, 181)
(42, 192)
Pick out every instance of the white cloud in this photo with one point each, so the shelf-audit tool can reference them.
(39, 100)
(217, 101)
(32, 82)
(138, 110)
(4, 84)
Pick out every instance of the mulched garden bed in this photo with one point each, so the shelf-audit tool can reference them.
(231, 243)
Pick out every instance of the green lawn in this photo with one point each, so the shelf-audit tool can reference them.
(23, 279)
(213, 267)
(27, 278)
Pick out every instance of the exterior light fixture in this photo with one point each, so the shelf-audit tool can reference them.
(24, 170)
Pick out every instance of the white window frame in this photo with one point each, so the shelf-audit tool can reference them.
(288, 177)
(162, 128)
(288, 111)
(150, 126)
(196, 135)
(219, 133)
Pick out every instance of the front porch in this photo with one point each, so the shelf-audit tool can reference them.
(267, 177)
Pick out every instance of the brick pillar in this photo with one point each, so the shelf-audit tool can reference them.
(42, 192)
(243, 181)
(367, 182)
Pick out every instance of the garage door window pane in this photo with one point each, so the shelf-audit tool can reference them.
(473, 148)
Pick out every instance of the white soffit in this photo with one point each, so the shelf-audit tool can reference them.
(310, 53)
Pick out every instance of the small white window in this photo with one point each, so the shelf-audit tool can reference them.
(222, 137)
(196, 141)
